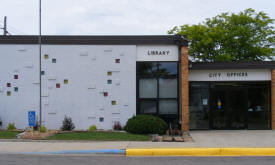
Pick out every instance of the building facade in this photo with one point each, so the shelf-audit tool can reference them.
(103, 80)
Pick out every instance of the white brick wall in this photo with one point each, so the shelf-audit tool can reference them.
(85, 67)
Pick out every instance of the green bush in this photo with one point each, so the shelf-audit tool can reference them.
(43, 128)
(11, 127)
(92, 128)
(146, 124)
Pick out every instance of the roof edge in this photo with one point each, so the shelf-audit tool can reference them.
(96, 39)
(232, 65)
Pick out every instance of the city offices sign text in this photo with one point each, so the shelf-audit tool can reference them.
(228, 74)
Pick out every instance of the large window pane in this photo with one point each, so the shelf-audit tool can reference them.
(147, 69)
(198, 106)
(259, 108)
(148, 107)
(168, 68)
(148, 88)
(168, 88)
(168, 107)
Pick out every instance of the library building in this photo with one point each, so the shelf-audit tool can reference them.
(102, 80)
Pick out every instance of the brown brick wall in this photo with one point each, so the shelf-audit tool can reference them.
(184, 90)
(273, 98)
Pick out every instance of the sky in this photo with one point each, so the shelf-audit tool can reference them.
(117, 17)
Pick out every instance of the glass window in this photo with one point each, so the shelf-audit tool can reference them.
(148, 107)
(148, 88)
(168, 88)
(168, 68)
(258, 108)
(158, 89)
(168, 107)
(147, 69)
(198, 106)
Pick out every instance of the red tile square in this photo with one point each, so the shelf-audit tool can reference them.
(57, 85)
(15, 76)
(8, 84)
(117, 61)
(105, 94)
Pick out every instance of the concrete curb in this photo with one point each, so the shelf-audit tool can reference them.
(200, 152)
(102, 151)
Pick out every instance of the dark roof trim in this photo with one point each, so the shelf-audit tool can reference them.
(232, 65)
(97, 40)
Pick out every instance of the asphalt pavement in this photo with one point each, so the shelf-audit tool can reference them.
(122, 160)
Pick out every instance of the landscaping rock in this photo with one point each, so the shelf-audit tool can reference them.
(178, 139)
(167, 138)
(154, 137)
(160, 138)
(35, 135)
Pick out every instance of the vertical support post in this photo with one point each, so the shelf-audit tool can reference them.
(184, 89)
(273, 98)
(5, 26)
(40, 86)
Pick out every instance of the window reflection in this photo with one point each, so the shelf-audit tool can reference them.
(158, 81)
(148, 88)
(258, 108)
(147, 69)
(168, 68)
(168, 87)
(198, 106)
(148, 107)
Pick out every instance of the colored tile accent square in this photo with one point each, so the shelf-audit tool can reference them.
(117, 61)
(57, 85)
(113, 102)
(15, 89)
(105, 94)
(42, 72)
(46, 56)
(8, 84)
(109, 81)
(66, 81)
(101, 119)
(16, 77)
(109, 73)
(53, 60)
(8, 93)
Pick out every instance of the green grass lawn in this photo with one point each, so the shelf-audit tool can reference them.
(104, 136)
(8, 134)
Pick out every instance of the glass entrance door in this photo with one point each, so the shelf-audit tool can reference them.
(228, 109)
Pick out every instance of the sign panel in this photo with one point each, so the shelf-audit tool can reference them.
(230, 75)
(31, 118)
(157, 53)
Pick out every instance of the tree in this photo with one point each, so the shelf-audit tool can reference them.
(246, 36)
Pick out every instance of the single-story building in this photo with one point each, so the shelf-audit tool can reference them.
(101, 80)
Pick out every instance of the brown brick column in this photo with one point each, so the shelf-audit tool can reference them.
(184, 89)
(273, 98)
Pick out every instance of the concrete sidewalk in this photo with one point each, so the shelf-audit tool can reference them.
(215, 139)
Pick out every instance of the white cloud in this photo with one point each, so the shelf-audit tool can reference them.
(117, 17)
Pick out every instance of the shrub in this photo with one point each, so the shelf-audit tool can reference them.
(37, 125)
(43, 128)
(68, 124)
(117, 126)
(92, 128)
(146, 124)
(11, 126)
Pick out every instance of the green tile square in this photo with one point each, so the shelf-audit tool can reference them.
(53, 60)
